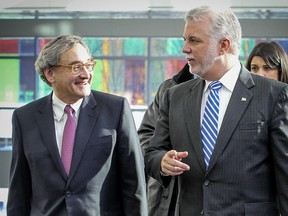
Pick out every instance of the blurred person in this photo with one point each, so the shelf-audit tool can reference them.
(105, 174)
(224, 135)
(270, 60)
(161, 200)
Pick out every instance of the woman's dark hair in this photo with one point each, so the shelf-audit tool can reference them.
(273, 55)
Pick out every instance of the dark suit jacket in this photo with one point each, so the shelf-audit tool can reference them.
(161, 200)
(248, 171)
(107, 173)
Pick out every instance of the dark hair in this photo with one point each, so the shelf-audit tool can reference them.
(273, 55)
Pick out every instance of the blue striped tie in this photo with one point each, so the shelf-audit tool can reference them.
(209, 127)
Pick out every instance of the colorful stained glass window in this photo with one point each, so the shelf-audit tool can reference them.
(167, 47)
(121, 77)
(100, 47)
(162, 70)
(131, 67)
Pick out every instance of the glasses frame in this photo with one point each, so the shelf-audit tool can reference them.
(86, 65)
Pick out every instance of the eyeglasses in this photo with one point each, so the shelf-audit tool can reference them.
(79, 67)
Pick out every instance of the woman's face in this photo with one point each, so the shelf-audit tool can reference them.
(259, 66)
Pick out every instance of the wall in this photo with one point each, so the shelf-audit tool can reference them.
(128, 27)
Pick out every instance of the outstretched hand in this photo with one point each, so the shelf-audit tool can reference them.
(171, 163)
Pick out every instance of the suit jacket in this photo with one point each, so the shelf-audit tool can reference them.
(248, 171)
(107, 170)
(160, 199)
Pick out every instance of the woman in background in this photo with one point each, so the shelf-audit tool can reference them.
(270, 60)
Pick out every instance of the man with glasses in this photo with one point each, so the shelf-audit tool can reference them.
(75, 151)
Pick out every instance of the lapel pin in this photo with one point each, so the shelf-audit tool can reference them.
(243, 99)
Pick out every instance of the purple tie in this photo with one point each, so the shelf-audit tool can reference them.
(68, 138)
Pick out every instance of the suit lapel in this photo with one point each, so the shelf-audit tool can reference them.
(192, 113)
(238, 103)
(45, 121)
(87, 119)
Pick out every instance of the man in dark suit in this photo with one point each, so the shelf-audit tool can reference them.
(245, 171)
(106, 173)
(161, 200)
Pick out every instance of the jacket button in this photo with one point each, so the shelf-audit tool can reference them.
(206, 183)
(68, 194)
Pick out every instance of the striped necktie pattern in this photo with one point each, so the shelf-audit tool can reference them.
(209, 129)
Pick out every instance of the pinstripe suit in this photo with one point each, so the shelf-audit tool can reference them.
(248, 171)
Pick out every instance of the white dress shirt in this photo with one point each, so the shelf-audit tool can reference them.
(60, 117)
(228, 81)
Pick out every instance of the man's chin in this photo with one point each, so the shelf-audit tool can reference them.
(194, 70)
(85, 91)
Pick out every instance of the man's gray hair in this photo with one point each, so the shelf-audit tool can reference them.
(50, 54)
(225, 24)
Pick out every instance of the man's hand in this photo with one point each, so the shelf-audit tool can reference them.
(171, 163)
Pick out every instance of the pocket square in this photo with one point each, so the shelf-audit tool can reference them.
(243, 99)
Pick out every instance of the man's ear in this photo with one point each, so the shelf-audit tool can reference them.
(225, 44)
(49, 74)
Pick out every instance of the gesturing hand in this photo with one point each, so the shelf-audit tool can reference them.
(171, 163)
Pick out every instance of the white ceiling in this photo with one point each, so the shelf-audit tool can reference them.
(134, 5)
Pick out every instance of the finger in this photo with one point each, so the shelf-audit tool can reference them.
(181, 155)
(172, 154)
(175, 155)
(168, 168)
(175, 172)
(182, 166)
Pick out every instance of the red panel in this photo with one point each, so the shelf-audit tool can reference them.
(42, 42)
(173, 67)
(9, 46)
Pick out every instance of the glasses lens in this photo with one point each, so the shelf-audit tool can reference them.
(76, 68)
(90, 66)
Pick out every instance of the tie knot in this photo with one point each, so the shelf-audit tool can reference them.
(68, 109)
(216, 85)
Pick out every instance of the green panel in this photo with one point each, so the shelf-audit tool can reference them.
(98, 78)
(95, 45)
(43, 88)
(167, 47)
(9, 82)
(135, 46)
(174, 46)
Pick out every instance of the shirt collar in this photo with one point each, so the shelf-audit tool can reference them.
(229, 79)
(58, 107)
